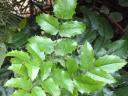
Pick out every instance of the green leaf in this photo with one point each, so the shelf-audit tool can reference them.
(45, 70)
(63, 80)
(48, 23)
(110, 63)
(100, 75)
(71, 28)
(87, 56)
(51, 87)
(23, 56)
(35, 51)
(65, 46)
(64, 9)
(19, 83)
(2, 53)
(45, 44)
(33, 69)
(119, 48)
(17, 67)
(71, 65)
(20, 93)
(105, 29)
(37, 91)
(86, 84)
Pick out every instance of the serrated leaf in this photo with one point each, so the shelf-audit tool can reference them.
(63, 80)
(45, 44)
(45, 70)
(51, 87)
(71, 65)
(19, 83)
(48, 23)
(2, 53)
(23, 56)
(37, 91)
(71, 28)
(65, 46)
(64, 9)
(17, 67)
(20, 93)
(100, 75)
(33, 69)
(87, 56)
(110, 63)
(35, 51)
(86, 84)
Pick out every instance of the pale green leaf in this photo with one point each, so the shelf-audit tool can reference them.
(65, 46)
(86, 84)
(17, 67)
(45, 44)
(35, 51)
(64, 9)
(63, 79)
(33, 68)
(19, 83)
(48, 23)
(37, 91)
(71, 65)
(87, 56)
(51, 87)
(23, 56)
(45, 70)
(20, 93)
(110, 63)
(100, 75)
(71, 28)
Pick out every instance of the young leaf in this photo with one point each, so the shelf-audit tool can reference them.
(110, 63)
(86, 84)
(37, 91)
(71, 65)
(19, 54)
(45, 70)
(71, 28)
(32, 71)
(63, 80)
(100, 75)
(65, 46)
(48, 23)
(19, 83)
(17, 67)
(64, 9)
(87, 56)
(50, 86)
(20, 93)
(45, 44)
(35, 51)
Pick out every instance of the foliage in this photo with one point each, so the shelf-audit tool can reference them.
(60, 66)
